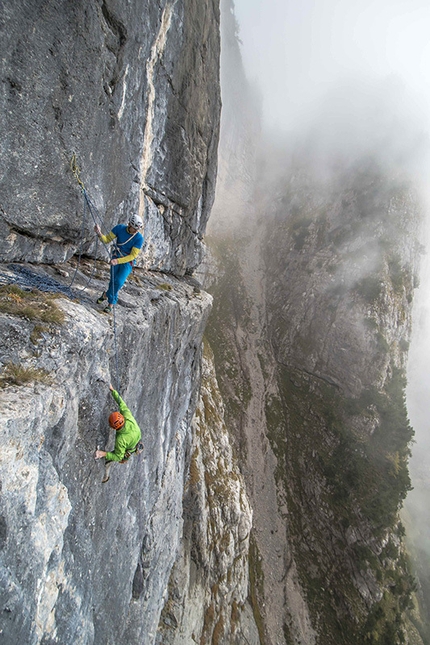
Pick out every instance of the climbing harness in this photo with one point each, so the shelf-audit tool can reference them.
(136, 451)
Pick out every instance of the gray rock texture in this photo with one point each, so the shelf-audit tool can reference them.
(82, 561)
(208, 588)
(133, 90)
(317, 264)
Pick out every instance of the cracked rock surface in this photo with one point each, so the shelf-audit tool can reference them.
(133, 90)
(76, 554)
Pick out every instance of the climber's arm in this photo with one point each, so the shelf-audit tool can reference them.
(130, 257)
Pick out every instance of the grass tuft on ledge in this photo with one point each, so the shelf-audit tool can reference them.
(19, 375)
(32, 305)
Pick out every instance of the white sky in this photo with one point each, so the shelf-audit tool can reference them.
(296, 49)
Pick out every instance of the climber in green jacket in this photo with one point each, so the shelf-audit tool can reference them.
(128, 435)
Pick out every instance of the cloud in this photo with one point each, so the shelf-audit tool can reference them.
(297, 52)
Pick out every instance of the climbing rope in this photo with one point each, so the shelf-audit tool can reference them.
(98, 221)
(84, 217)
(115, 340)
(87, 205)
(76, 171)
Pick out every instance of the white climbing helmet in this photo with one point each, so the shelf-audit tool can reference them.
(135, 221)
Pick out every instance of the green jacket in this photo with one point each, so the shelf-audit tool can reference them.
(128, 436)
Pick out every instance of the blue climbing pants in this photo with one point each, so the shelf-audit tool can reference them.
(118, 275)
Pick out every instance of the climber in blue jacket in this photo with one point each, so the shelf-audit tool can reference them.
(129, 242)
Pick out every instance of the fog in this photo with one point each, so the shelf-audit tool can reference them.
(352, 78)
(297, 52)
(349, 78)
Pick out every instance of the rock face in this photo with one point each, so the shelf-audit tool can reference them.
(84, 561)
(310, 353)
(87, 562)
(133, 91)
(208, 588)
(346, 323)
(310, 330)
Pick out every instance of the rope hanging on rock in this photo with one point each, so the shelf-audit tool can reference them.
(92, 209)
(115, 341)
(98, 220)
(76, 171)
(81, 245)
(88, 205)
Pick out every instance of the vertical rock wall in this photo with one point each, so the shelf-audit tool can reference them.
(133, 90)
(339, 315)
(310, 330)
(208, 589)
(82, 561)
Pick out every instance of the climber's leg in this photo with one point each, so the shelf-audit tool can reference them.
(108, 466)
(118, 276)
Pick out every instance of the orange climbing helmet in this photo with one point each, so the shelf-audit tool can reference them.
(116, 420)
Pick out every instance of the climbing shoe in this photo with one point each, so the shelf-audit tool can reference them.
(108, 309)
(102, 298)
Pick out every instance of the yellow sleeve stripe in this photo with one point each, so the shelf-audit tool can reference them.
(130, 257)
(107, 238)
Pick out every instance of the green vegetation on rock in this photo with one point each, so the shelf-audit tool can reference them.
(33, 305)
(230, 309)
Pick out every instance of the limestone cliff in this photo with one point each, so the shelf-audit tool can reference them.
(264, 507)
(81, 561)
(310, 328)
(133, 91)
(208, 588)
(312, 375)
